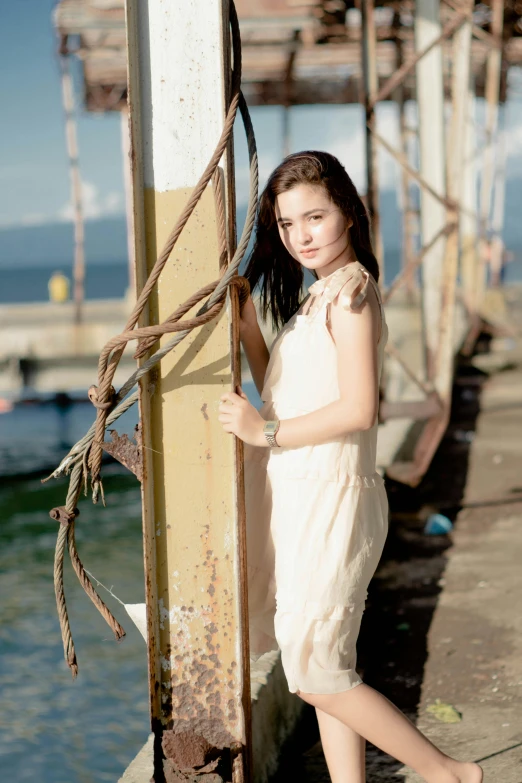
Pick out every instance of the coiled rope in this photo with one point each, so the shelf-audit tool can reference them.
(85, 457)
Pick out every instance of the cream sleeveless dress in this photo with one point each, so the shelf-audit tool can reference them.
(317, 516)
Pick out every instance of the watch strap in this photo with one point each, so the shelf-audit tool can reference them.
(271, 432)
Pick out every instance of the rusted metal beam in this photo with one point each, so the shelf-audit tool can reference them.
(76, 187)
(288, 82)
(418, 410)
(407, 67)
(393, 351)
(370, 86)
(496, 260)
(404, 189)
(478, 32)
(193, 513)
(469, 226)
(455, 156)
(433, 199)
(492, 92)
(127, 451)
(413, 173)
(129, 213)
(415, 262)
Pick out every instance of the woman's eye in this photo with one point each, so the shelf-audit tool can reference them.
(315, 217)
(285, 225)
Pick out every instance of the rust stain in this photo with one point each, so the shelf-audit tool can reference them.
(190, 752)
(128, 452)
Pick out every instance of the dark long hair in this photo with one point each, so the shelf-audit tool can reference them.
(270, 267)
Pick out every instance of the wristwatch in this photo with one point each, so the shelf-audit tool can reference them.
(270, 429)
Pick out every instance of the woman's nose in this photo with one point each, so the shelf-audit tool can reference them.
(303, 234)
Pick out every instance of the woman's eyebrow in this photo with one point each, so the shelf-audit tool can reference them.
(305, 214)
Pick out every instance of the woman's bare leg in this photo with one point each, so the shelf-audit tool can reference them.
(371, 715)
(343, 749)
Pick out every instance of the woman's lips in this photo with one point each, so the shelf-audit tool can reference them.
(309, 251)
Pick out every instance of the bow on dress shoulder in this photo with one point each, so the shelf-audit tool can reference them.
(351, 280)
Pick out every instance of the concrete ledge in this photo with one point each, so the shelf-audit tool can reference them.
(275, 712)
(141, 769)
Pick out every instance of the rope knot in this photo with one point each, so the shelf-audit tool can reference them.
(243, 289)
(64, 517)
(93, 396)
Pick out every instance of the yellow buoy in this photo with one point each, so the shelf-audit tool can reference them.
(58, 287)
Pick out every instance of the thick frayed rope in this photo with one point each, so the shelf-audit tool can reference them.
(85, 457)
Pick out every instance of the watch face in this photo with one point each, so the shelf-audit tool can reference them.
(270, 427)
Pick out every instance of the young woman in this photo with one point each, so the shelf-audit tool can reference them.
(317, 511)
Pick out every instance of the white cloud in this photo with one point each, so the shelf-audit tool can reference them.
(94, 204)
(33, 219)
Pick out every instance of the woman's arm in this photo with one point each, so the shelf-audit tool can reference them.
(355, 334)
(253, 344)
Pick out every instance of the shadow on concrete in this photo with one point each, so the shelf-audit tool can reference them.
(392, 646)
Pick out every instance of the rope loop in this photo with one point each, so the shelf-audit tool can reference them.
(93, 396)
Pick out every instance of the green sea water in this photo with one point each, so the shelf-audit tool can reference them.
(54, 729)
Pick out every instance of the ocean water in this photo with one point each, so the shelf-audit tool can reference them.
(54, 729)
(107, 281)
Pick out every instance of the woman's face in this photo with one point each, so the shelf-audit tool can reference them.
(313, 229)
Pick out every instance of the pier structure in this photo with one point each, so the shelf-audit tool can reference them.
(438, 53)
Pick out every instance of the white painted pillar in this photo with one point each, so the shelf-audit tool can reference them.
(371, 86)
(197, 643)
(430, 100)
(492, 93)
(76, 189)
(460, 81)
(497, 220)
(469, 200)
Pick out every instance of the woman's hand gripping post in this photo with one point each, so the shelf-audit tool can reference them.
(239, 417)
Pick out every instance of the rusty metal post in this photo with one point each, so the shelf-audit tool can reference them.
(430, 103)
(288, 88)
(76, 188)
(455, 155)
(497, 221)
(410, 216)
(193, 512)
(492, 91)
(371, 85)
(468, 223)
(129, 211)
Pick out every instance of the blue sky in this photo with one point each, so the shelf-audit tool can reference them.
(34, 183)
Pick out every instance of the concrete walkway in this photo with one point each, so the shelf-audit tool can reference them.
(475, 640)
(444, 617)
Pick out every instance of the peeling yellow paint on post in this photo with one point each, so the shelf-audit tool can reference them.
(191, 490)
(190, 525)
